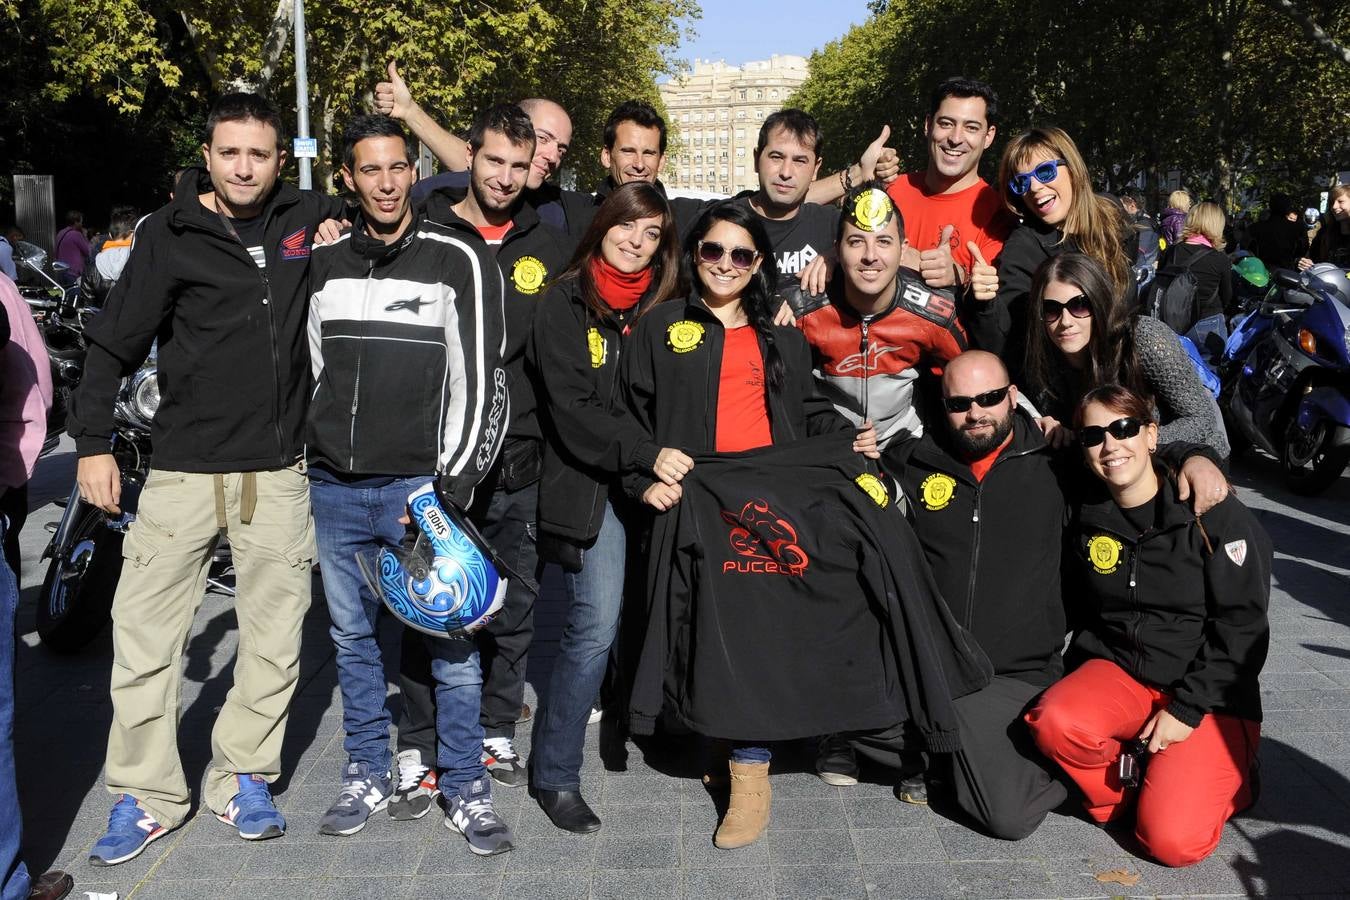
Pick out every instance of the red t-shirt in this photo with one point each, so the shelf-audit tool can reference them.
(980, 467)
(977, 212)
(742, 405)
(493, 234)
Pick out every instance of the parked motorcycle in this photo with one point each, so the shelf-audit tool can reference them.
(1286, 376)
(60, 319)
(86, 550)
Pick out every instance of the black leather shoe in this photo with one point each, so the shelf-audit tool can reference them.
(52, 885)
(568, 810)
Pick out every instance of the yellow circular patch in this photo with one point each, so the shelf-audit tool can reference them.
(872, 210)
(938, 490)
(596, 342)
(873, 488)
(1104, 553)
(684, 336)
(528, 275)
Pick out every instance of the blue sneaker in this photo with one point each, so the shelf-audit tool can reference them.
(130, 830)
(252, 812)
(469, 811)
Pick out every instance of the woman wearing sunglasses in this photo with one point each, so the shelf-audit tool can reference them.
(626, 265)
(1045, 183)
(1083, 337)
(1159, 717)
(713, 373)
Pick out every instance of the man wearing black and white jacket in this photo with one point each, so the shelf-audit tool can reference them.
(406, 336)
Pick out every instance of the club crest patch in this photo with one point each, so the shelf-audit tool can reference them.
(1237, 551)
(938, 490)
(1104, 553)
(598, 346)
(684, 335)
(528, 275)
(871, 486)
(871, 210)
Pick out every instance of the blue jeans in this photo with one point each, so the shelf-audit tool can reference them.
(14, 880)
(746, 754)
(594, 600)
(356, 520)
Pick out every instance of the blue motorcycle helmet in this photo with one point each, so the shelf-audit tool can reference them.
(1329, 280)
(449, 583)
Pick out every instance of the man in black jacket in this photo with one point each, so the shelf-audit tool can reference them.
(218, 277)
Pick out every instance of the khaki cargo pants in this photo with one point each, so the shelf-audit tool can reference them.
(166, 553)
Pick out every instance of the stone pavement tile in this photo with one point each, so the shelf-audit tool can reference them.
(1279, 723)
(874, 846)
(909, 881)
(697, 851)
(887, 812)
(728, 883)
(805, 814)
(1277, 682)
(175, 889)
(399, 857)
(333, 888)
(285, 858)
(455, 858)
(644, 786)
(566, 852)
(810, 848)
(200, 862)
(648, 884)
(546, 885)
(641, 818)
(1005, 878)
(805, 784)
(634, 851)
(700, 815)
(835, 882)
(1334, 698)
(459, 887)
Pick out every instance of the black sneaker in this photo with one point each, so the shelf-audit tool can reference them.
(836, 763)
(502, 762)
(416, 788)
(913, 789)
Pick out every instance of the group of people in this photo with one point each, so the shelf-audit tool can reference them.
(875, 442)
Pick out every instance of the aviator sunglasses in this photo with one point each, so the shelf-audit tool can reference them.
(711, 252)
(1078, 307)
(1120, 429)
(987, 400)
(1044, 173)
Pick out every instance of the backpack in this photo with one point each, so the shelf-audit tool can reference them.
(1171, 296)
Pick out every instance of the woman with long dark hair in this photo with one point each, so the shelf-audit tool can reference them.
(1159, 716)
(1082, 336)
(713, 373)
(626, 265)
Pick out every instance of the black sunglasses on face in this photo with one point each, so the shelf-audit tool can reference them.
(1079, 307)
(712, 252)
(1120, 429)
(987, 400)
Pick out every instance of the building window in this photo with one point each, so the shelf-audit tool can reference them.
(740, 114)
(740, 153)
(684, 117)
(740, 170)
(773, 95)
(740, 134)
(740, 95)
(759, 114)
(722, 115)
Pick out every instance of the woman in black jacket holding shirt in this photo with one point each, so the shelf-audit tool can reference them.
(625, 266)
(1168, 646)
(714, 373)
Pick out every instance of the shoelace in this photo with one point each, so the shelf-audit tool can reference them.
(125, 815)
(254, 797)
(501, 748)
(410, 774)
(352, 791)
(481, 810)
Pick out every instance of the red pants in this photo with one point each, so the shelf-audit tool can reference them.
(1189, 789)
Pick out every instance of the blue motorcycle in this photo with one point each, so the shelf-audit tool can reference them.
(1286, 376)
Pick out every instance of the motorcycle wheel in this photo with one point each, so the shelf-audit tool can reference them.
(1310, 465)
(1238, 442)
(77, 594)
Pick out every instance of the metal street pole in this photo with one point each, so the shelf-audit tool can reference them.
(303, 148)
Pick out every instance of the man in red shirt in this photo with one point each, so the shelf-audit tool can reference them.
(948, 206)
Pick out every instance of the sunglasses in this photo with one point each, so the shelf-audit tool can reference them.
(1045, 173)
(712, 252)
(1120, 429)
(1078, 307)
(987, 400)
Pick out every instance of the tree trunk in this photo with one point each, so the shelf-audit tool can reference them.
(1325, 42)
(283, 20)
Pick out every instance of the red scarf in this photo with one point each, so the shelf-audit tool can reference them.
(619, 289)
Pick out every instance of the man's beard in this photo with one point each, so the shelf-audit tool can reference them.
(972, 447)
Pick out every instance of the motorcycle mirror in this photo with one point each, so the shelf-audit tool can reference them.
(30, 254)
(58, 267)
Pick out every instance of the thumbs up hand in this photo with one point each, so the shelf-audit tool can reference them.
(392, 97)
(879, 161)
(937, 266)
(983, 277)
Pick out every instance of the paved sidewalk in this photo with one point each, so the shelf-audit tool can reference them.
(657, 838)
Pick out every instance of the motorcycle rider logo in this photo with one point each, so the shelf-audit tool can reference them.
(766, 542)
(528, 275)
(1104, 553)
(938, 490)
(684, 336)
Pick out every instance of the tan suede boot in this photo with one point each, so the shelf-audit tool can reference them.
(748, 813)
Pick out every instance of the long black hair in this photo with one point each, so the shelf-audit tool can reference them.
(757, 300)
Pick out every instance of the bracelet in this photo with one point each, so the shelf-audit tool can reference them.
(843, 183)
(848, 179)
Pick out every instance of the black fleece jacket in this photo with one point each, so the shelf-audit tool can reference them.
(590, 438)
(672, 373)
(233, 364)
(1181, 607)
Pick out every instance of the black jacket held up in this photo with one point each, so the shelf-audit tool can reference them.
(994, 545)
(790, 599)
(589, 436)
(1185, 616)
(233, 365)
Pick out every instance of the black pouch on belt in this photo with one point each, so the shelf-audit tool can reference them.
(522, 461)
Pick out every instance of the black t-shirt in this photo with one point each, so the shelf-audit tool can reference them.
(1142, 518)
(800, 239)
(250, 233)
